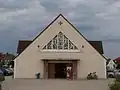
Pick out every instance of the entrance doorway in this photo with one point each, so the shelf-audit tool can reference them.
(60, 70)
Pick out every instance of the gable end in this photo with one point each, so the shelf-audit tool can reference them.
(70, 24)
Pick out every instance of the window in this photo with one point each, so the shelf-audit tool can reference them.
(55, 42)
(60, 42)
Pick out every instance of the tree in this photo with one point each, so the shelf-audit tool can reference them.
(10, 56)
(11, 63)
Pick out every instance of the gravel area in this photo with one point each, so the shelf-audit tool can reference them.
(34, 84)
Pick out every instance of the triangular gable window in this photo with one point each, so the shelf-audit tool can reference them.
(60, 42)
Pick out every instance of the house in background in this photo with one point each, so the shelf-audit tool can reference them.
(59, 45)
(6, 58)
(3, 57)
(117, 60)
(111, 65)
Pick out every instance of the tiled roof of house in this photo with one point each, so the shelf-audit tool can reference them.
(117, 59)
(3, 56)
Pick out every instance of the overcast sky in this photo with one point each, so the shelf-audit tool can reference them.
(96, 20)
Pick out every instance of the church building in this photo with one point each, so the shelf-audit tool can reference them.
(59, 45)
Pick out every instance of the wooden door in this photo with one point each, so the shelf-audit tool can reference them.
(51, 70)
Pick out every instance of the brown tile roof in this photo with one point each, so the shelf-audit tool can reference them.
(24, 43)
(3, 56)
(97, 45)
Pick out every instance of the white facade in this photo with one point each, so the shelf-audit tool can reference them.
(111, 65)
(31, 60)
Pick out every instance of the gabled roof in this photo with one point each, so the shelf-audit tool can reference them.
(67, 22)
(117, 60)
(24, 43)
(3, 56)
(109, 60)
(97, 45)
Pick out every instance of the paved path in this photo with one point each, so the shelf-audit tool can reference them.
(33, 84)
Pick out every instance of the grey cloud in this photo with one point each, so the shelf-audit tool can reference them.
(96, 19)
(111, 49)
(53, 6)
(13, 4)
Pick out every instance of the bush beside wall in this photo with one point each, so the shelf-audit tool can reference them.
(116, 84)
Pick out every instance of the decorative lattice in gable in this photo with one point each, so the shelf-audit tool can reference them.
(60, 42)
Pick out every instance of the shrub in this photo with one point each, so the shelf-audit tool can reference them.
(116, 84)
(2, 78)
(92, 76)
(117, 78)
